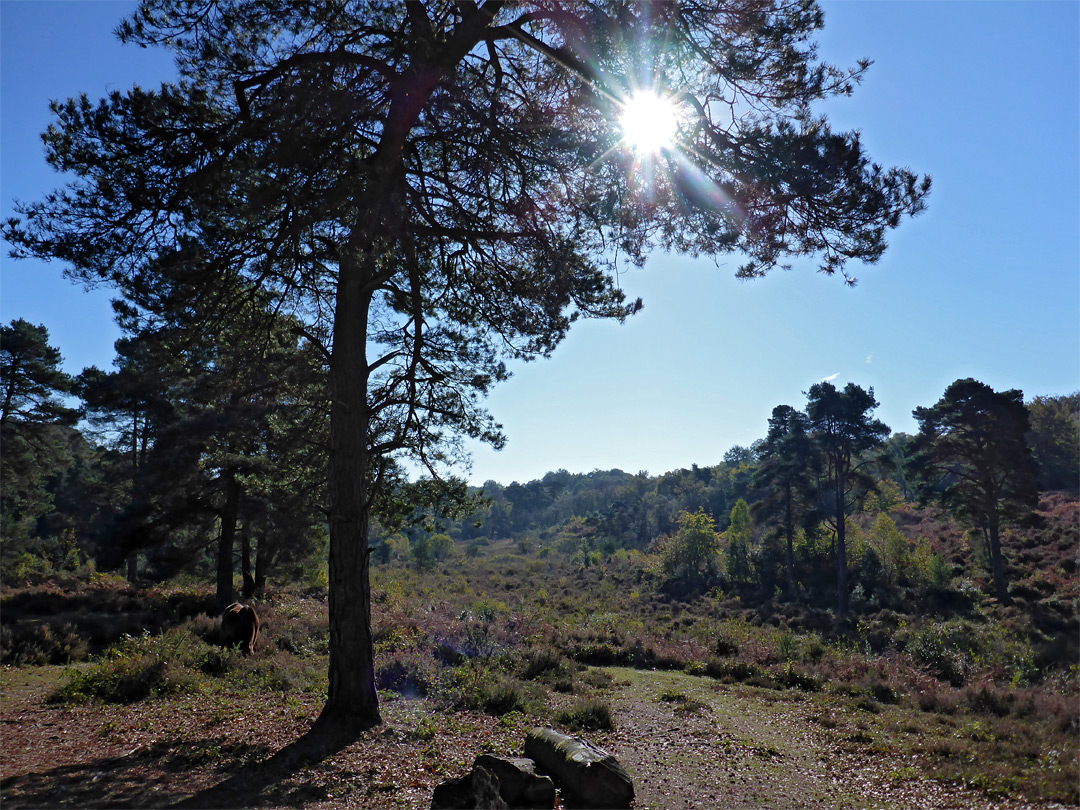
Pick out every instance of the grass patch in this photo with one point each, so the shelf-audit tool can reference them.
(587, 715)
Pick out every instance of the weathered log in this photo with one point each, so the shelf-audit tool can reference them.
(588, 775)
(519, 783)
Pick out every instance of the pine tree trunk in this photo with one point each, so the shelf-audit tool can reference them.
(997, 562)
(789, 556)
(352, 698)
(245, 562)
(841, 550)
(263, 559)
(225, 595)
(133, 557)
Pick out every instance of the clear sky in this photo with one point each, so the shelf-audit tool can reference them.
(984, 96)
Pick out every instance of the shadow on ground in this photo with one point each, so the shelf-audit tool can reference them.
(147, 777)
(267, 782)
(154, 776)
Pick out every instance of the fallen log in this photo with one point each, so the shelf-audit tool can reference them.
(588, 775)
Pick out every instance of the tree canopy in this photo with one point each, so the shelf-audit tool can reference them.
(786, 472)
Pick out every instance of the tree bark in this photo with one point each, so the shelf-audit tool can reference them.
(133, 557)
(248, 589)
(352, 698)
(263, 560)
(841, 548)
(226, 541)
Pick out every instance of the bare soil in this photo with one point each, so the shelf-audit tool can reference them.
(687, 742)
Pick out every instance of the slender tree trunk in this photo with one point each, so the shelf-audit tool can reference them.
(225, 595)
(245, 561)
(841, 549)
(789, 557)
(352, 698)
(9, 393)
(997, 562)
(263, 559)
(133, 557)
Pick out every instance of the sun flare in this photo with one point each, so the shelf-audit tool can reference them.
(648, 122)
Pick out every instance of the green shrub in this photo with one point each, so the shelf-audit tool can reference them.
(598, 678)
(45, 643)
(733, 671)
(137, 668)
(504, 696)
(179, 662)
(406, 673)
(789, 675)
(588, 715)
(726, 647)
(932, 647)
(281, 672)
(541, 662)
(563, 684)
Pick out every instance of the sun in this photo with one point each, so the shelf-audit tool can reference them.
(648, 122)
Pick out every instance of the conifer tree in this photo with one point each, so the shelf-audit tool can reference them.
(842, 429)
(786, 471)
(971, 454)
(440, 186)
(33, 415)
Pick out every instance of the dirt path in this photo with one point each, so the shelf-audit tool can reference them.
(687, 742)
(693, 743)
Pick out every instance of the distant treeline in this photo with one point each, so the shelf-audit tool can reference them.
(205, 450)
(632, 510)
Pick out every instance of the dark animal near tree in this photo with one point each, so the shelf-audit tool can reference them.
(240, 627)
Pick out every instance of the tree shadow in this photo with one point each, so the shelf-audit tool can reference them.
(143, 778)
(152, 777)
(265, 782)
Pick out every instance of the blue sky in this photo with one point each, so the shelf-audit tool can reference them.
(984, 96)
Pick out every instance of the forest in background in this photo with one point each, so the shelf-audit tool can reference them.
(188, 458)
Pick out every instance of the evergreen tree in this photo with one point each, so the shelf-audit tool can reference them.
(972, 456)
(739, 535)
(1055, 440)
(787, 473)
(125, 409)
(842, 430)
(440, 186)
(34, 423)
(213, 406)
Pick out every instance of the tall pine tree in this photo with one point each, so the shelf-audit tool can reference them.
(33, 418)
(842, 430)
(972, 455)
